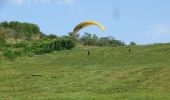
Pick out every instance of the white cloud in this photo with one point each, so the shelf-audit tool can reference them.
(34, 2)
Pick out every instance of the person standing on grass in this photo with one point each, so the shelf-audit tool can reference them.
(88, 52)
(130, 51)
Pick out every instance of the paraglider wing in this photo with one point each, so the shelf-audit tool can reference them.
(87, 23)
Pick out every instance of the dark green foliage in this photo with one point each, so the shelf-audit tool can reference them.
(40, 51)
(57, 44)
(40, 47)
(132, 43)
(9, 54)
(12, 54)
(70, 43)
(51, 36)
(18, 53)
(89, 40)
(47, 46)
(92, 40)
(67, 44)
(20, 45)
(2, 42)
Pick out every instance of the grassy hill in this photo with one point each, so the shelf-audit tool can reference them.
(107, 74)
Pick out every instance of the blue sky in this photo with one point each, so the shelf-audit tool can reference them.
(141, 21)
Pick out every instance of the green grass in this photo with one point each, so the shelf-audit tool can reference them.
(107, 74)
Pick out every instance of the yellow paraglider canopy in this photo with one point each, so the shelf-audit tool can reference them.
(87, 23)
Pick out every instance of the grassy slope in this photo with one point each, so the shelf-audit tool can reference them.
(108, 73)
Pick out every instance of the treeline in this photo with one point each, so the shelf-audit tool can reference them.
(93, 40)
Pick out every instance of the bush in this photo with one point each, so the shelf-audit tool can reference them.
(20, 45)
(70, 44)
(39, 51)
(57, 44)
(2, 42)
(9, 54)
(47, 46)
(18, 53)
(40, 47)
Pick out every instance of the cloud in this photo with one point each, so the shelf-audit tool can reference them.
(35, 2)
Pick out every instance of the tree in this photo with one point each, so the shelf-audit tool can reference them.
(93, 40)
(86, 39)
(73, 36)
(52, 36)
(132, 43)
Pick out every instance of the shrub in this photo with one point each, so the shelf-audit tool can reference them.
(9, 54)
(18, 53)
(2, 42)
(70, 44)
(39, 51)
(57, 44)
(47, 46)
(20, 45)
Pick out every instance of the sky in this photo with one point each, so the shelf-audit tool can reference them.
(141, 21)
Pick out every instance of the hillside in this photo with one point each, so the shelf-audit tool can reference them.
(109, 73)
